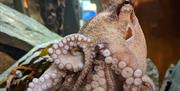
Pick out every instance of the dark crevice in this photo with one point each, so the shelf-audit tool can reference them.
(128, 34)
(15, 53)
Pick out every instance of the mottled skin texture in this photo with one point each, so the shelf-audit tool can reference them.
(122, 33)
(113, 29)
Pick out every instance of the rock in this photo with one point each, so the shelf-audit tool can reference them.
(5, 61)
(171, 80)
(21, 31)
(153, 73)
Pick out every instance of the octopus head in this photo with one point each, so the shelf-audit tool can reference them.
(119, 28)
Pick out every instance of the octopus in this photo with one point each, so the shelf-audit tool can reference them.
(107, 54)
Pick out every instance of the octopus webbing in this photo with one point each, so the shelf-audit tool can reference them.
(107, 54)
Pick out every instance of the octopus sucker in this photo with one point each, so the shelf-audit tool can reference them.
(133, 77)
(110, 82)
(59, 52)
(138, 73)
(96, 79)
(48, 77)
(66, 85)
(83, 74)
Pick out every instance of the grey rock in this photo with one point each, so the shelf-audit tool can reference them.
(21, 31)
(172, 81)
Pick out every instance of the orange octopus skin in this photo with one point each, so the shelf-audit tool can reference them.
(122, 32)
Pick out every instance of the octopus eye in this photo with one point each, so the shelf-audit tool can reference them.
(19, 73)
(128, 34)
